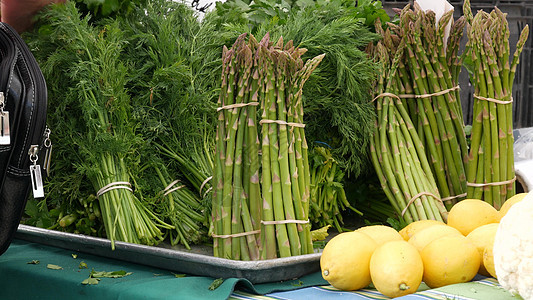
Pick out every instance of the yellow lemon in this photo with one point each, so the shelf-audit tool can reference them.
(510, 202)
(483, 237)
(408, 231)
(488, 260)
(448, 260)
(429, 234)
(469, 214)
(381, 233)
(396, 269)
(345, 261)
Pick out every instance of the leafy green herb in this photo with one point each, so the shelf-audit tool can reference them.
(277, 12)
(320, 234)
(104, 8)
(299, 283)
(178, 114)
(34, 262)
(54, 267)
(167, 80)
(82, 265)
(328, 198)
(370, 10)
(215, 284)
(104, 132)
(91, 281)
(37, 214)
(179, 275)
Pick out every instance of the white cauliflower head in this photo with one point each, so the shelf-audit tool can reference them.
(513, 249)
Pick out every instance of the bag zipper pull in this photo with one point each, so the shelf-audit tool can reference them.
(48, 151)
(5, 138)
(35, 173)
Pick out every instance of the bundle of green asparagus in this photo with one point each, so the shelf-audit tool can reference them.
(490, 169)
(398, 155)
(261, 216)
(425, 84)
(429, 74)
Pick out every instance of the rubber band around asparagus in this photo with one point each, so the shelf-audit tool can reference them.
(454, 197)
(237, 105)
(497, 101)
(406, 96)
(284, 222)
(226, 236)
(418, 196)
(491, 183)
(279, 122)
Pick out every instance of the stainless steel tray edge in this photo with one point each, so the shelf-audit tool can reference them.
(273, 270)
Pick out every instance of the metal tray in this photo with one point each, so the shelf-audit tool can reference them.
(189, 262)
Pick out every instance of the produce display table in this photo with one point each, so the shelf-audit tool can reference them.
(21, 279)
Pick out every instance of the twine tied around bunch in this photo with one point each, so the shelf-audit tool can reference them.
(113, 186)
(237, 105)
(418, 196)
(407, 96)
(472, 184)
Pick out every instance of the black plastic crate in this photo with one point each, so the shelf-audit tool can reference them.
(519, 13)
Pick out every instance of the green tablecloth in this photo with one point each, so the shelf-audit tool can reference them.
(21, 280)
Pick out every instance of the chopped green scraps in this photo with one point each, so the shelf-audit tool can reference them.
(74, 256)
(299, 283)
(113, 274)
(33, 262)
(83, 265)
(216, 283)
(54, 267)
(179, 275)
(320, 234)
(91, 281)
(95, 276)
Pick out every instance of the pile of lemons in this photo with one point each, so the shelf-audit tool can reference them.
(431, 251)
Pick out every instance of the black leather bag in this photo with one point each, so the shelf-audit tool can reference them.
(23, 101)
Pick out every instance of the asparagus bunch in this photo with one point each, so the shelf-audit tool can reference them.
(328, 198)
(398, 155)
(490, 169)
(429, 84)
(235, 210)
(261, 216)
